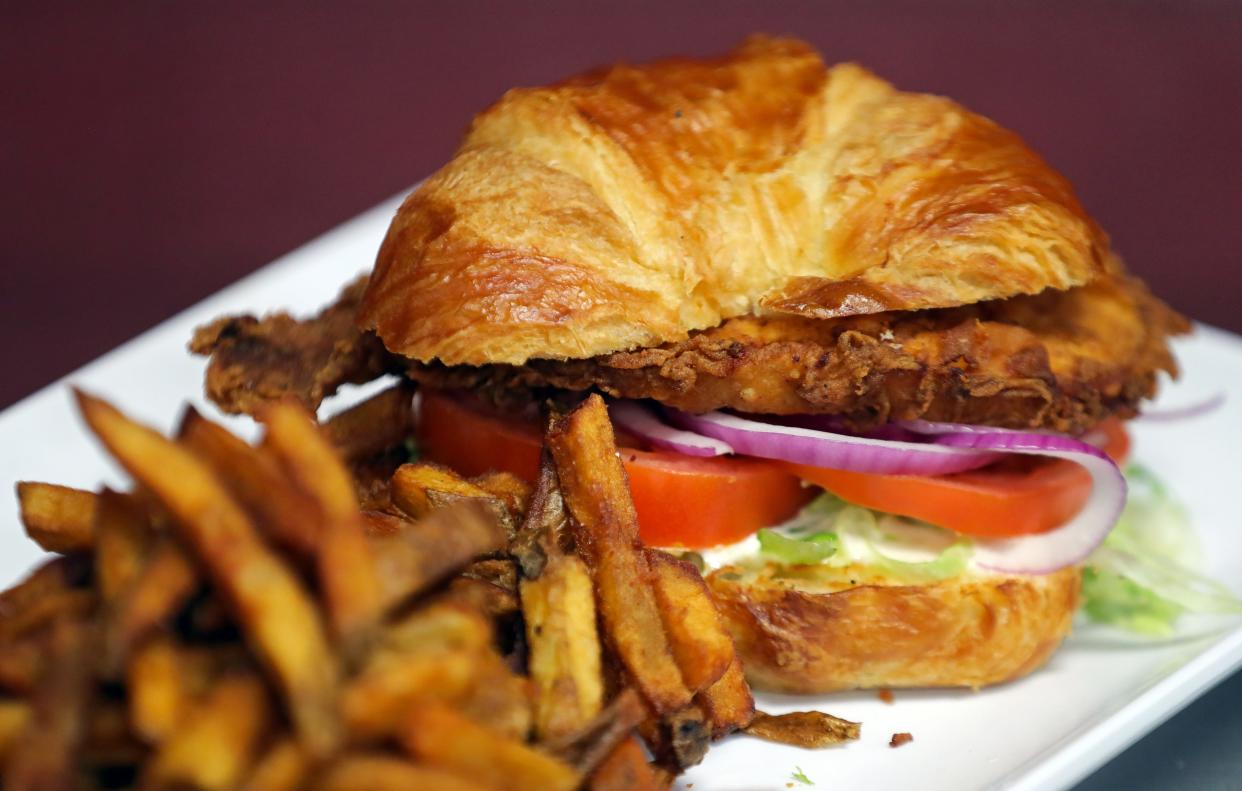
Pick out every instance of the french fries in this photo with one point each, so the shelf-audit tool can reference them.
(58, 518)
(378, 771)
(344, 561)
(564, 663)
(436, 734)
(597, 494)
(285, 626)
(184, 642)
(697, 636)
(212, 746)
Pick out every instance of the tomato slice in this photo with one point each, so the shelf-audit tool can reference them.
(1013, 497)
(681, 501)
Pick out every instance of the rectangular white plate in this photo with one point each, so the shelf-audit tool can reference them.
(1098, 695)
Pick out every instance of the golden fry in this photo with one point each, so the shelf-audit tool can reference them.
(728, 704)
(439, 736)
(345, 563)
(409, 562)
(363, 772)
(498, 697)
(166, 584)
(58, 518)
(284, 767)
(626, 769)
(275, 611)
(159, 695)
(423, 488)
(508, 488)
(700, 643)
(383, 421)
(47, 594)
(123, 537)
(46, 753)
(288, 515)
(598, 495)
(807, 729)
(213, 746)
(14, 716)
(564, 661)
(376, 701)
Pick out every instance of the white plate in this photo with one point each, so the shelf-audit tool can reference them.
(1098, 695)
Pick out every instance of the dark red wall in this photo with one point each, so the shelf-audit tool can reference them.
(154, 152)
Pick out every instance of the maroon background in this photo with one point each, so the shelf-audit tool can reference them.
(154, 152)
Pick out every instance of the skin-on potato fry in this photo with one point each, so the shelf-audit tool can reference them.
(420, 489)
(214, 745)
(510, 489)
(45, 755)
(285, 766)
(545, 529)
(345, 565)
(436, 734)
(700, 643)
(49, 593)
(123, 537)
(287, 515)
(564, 660)
(58, 518)
(626, 769)
(373, 426)
(14, 715)
(276, 612)
(166, 584)
(598, 495)
(728, 704)
(159, 695)
(409, 562)
(808, 729)
(363, 771)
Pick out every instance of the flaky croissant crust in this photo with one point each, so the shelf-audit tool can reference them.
(632, 205)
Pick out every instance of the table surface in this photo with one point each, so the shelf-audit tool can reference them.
(153, 153)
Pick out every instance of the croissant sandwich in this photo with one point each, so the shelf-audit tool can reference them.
(868, 356)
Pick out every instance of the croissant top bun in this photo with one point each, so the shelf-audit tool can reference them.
(631, 205)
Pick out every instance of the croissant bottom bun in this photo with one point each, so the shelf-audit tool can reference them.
(804, 637)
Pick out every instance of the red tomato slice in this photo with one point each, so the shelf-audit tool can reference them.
(681, 500)
(1010, 498)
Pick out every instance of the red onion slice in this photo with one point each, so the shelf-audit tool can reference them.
(1194, 409)
(835, 451)
(1072, 542)
(638, 420)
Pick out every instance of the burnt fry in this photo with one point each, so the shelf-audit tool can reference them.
(696, 634)
(383, 421)
(379, 771)
(728, 704)
(626, 769)
(808, 729)
(286, 514)
(58, 518)
(437, 735)
(345, 565)
(45, 754)
(597, 494)
(275, 611)
(285, 766)
(408, 562)
(214, 745)
(544, 530)
(564, 660)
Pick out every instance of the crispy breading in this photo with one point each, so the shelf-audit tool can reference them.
(1061, 360)
(257, 361)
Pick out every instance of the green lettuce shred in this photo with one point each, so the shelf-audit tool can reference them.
(814, 548)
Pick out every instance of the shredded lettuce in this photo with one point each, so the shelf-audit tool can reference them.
(814, 548)
(1147, 572)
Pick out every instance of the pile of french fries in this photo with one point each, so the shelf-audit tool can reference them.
(316, 612)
